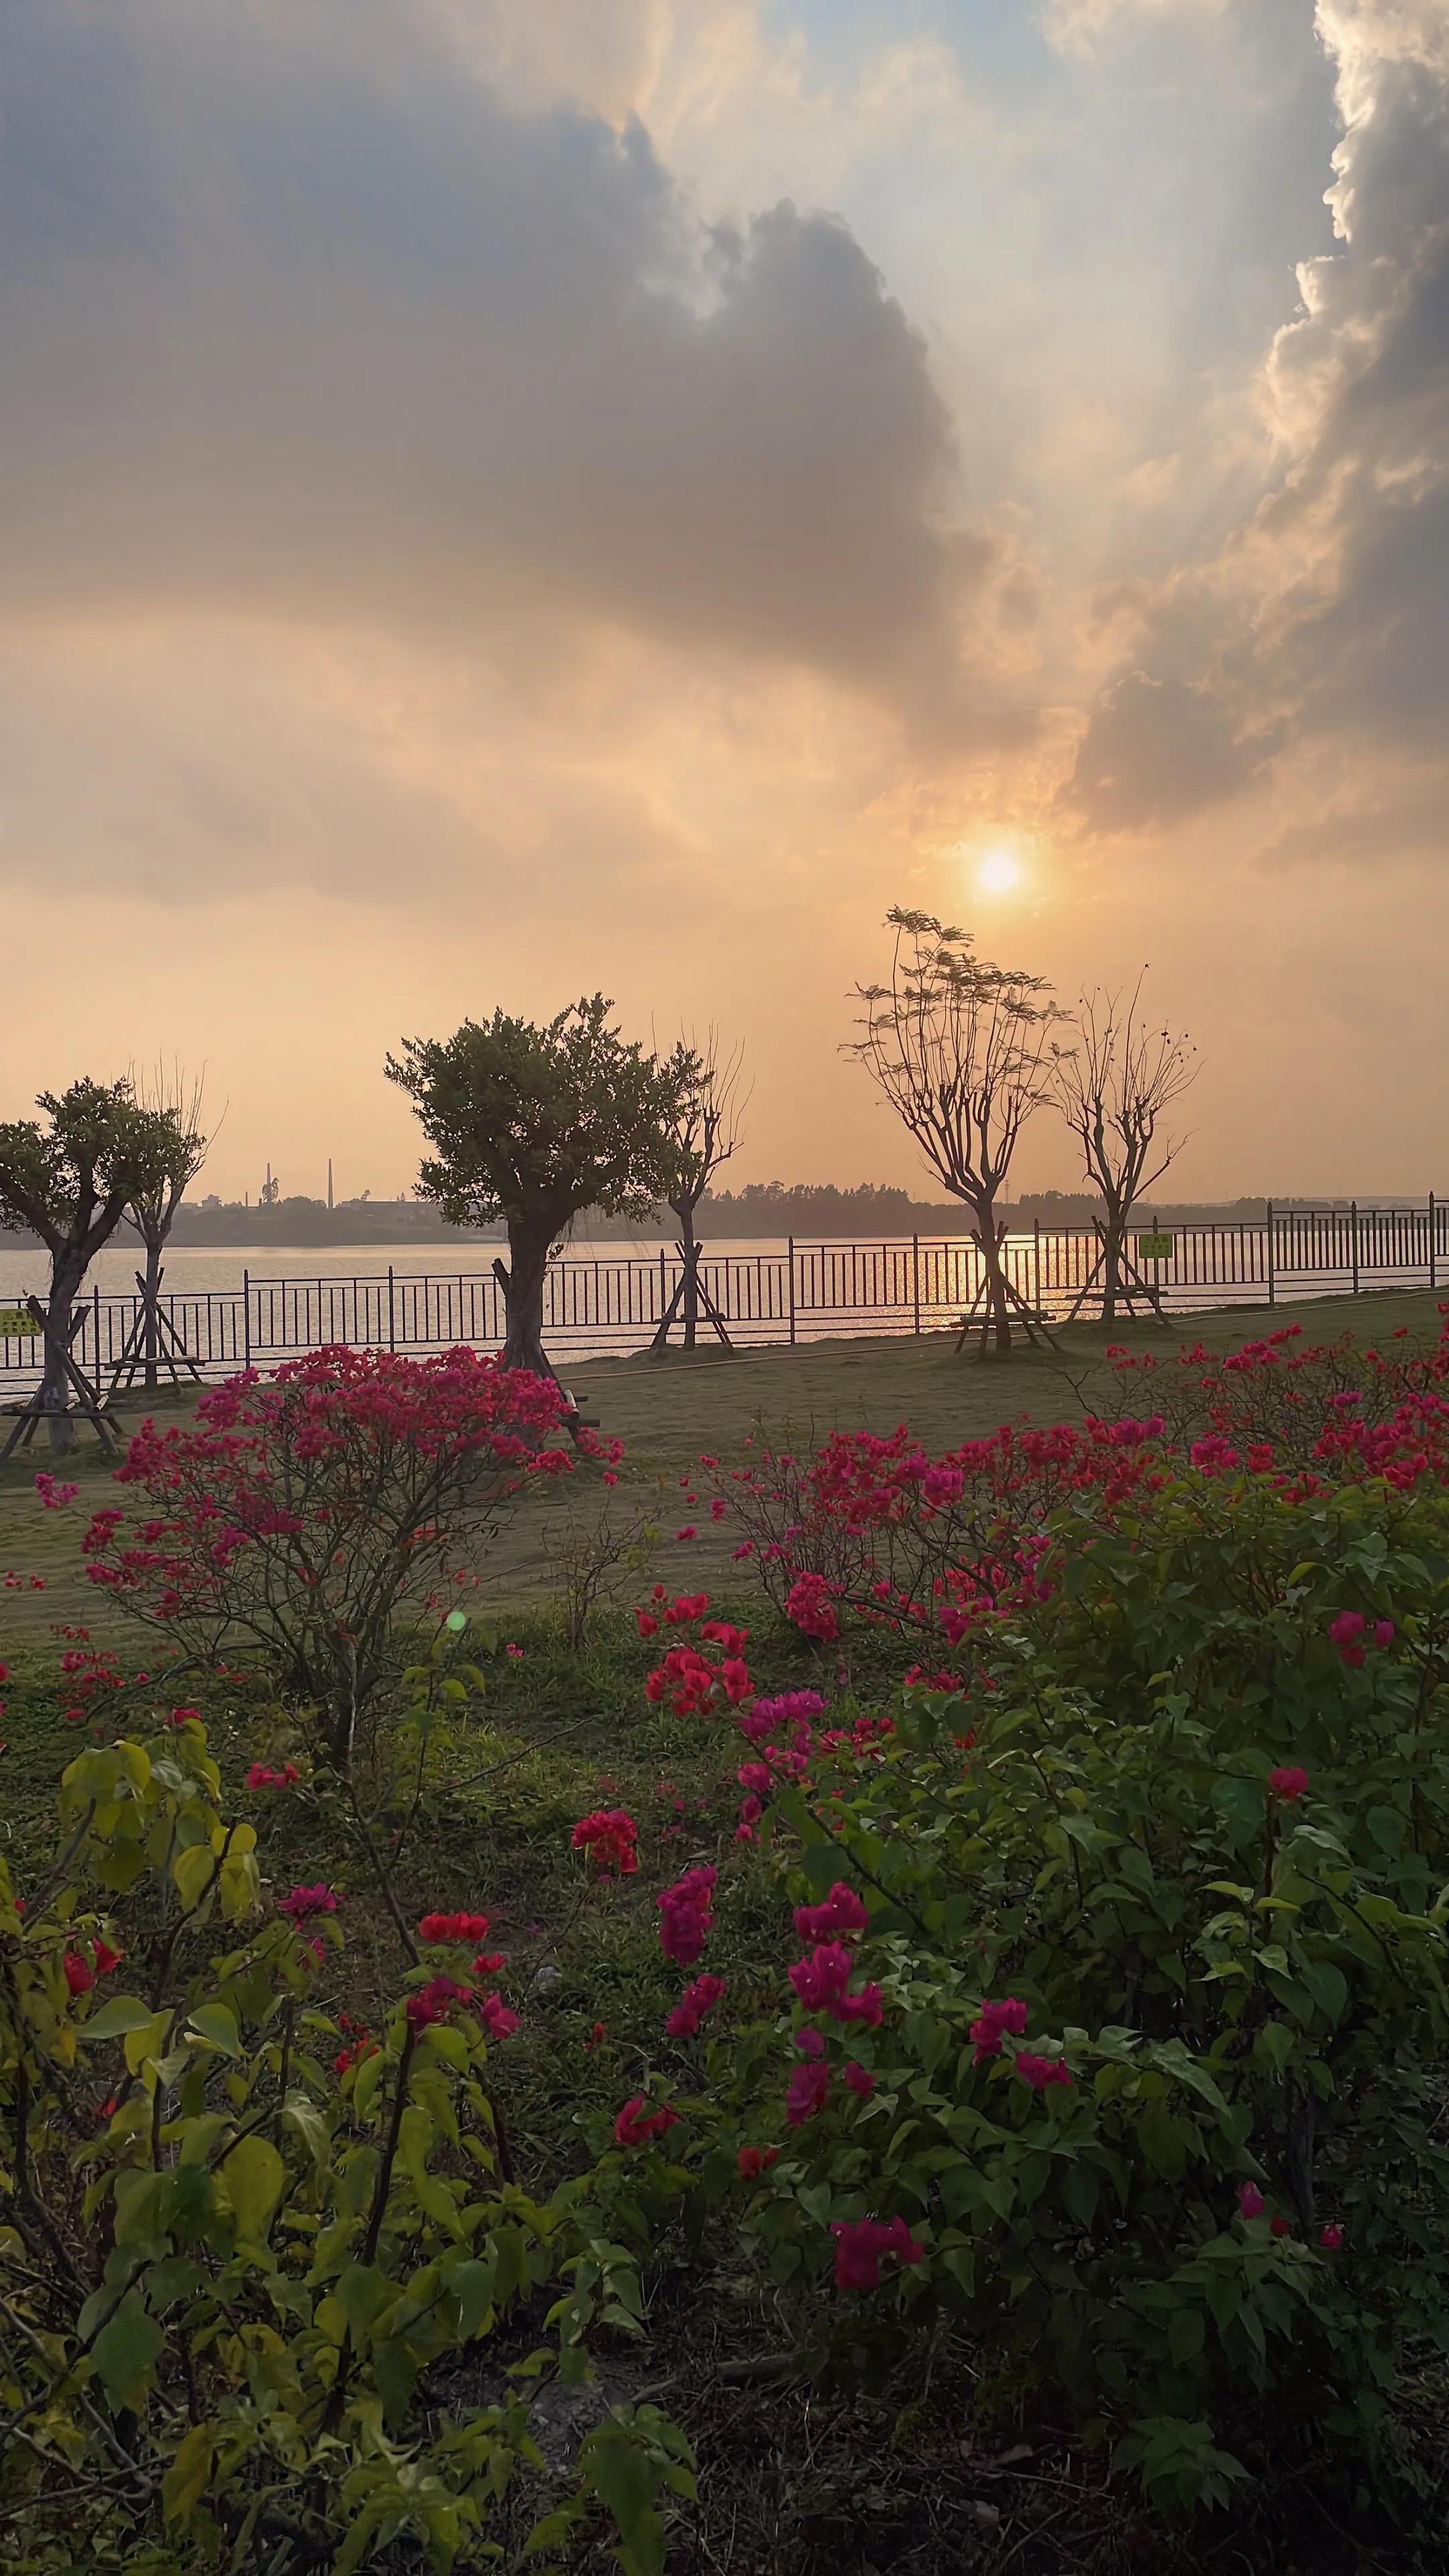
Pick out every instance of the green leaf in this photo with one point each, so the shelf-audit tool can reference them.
(116, 2016)
(189, 2475)
(253, 2176)
(126, 2352)
(216, 2023)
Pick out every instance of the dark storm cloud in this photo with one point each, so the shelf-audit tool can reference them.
(297, 316)
(1332, 607)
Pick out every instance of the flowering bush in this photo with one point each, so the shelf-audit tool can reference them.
(301, 1516)
(1115, 2023)
(234, 2253)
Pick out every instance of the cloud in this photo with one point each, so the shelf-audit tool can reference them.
(1088, 26)
(1326, 616)
(303, 318)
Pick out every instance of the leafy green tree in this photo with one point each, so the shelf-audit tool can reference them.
(70, 1182)
(535, 1124)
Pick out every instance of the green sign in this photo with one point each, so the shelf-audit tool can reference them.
(15, 1319)
(1155, 1247)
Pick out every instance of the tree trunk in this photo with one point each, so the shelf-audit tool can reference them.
(997, 1304)
(691, 1278)
(528, 1252)
(1111, 1268)
(152, 1341)
(66, 1273)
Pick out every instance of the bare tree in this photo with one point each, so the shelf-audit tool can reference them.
(1114, 1089)
(176, 1150)
(703, 1134)
(962, 1050)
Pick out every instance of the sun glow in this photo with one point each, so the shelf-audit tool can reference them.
(998, 872)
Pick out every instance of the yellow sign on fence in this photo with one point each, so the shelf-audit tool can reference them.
(1156, 1247)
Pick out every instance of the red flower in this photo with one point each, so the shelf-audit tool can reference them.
(105, 1957)
(685, 1915)
(1330, 2238)
(753, 2161)
(859, 2078)
(646, 1623)
(860, 2244)
(609, 1837)
(1008, 2015)
(1288, 1784)
(184, 1716)
(597, 2035)
(686, 1533)
(1279, 2227)
(634, 2126)
(435, 1929)
(77, 1975)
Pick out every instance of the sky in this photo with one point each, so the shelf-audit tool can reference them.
(512, 497)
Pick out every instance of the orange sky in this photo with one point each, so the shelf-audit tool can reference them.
(509, 496)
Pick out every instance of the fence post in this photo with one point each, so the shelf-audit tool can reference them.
(246, 1318)
(916, 1283)
(1433, 1247)
(1353, 1213)
(790, 1266)
(663, 1287)
(391, 1319)
(96, 1313)
(1036, 1265)
(1272, 1266)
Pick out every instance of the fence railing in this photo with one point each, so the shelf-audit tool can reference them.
(787, 1292)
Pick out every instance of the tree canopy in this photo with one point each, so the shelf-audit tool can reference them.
(534, 1124)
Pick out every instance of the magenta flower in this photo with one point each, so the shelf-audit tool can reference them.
(806, 2091)
(860, 2244)
(1288, 1784)
(1250, 2200)
(303, 1902)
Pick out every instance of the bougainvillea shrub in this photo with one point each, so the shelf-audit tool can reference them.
(1111, 2004)
(246, 2243)
(300, 1516)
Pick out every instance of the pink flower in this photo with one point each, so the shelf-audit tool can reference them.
(184, 1717)
(634, 2127)
(496, 2018)
(810, 2041)
(105, 1957)
(1330, 2238)
(646, 1623)
(686, 1533)
(304, 1902)
(806, 2091)
(1289, 1784)
(515, 1653)
(1384, 1633)
(861, 2243)
(686, 1916)
(1347, 1628)
(697, 1999)
(859, 2078)
(1250, 2200)
(434, 2001)
(997, 2018)
(841, 1913)
(1039, 2072)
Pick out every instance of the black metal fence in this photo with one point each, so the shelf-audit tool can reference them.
(788, 1292)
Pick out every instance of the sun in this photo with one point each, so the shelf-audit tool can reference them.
(998, 872)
